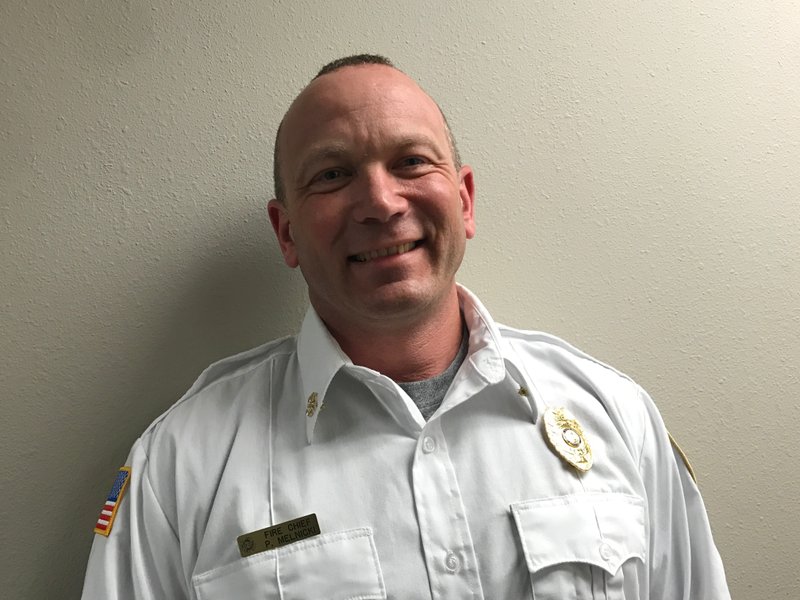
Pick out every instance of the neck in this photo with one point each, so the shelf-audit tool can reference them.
(411, 351)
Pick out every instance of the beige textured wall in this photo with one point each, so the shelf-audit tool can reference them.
(637, 169)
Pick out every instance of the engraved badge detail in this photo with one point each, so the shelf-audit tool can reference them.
(566, 437)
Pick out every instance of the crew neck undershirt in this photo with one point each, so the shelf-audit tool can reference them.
(429, 393)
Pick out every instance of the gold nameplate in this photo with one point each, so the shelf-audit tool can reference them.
(278, 535)
(566, 437)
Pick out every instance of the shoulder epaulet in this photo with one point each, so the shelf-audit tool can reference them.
(683, 456)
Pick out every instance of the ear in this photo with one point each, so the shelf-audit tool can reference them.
(279, 217)
(466, 190)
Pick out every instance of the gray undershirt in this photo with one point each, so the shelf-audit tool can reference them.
(429, 393)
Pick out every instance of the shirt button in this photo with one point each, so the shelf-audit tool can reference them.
(451, 563)
(428, 445)
(606, 553)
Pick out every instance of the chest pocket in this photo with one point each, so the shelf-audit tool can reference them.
(584, 546)
(333, 566)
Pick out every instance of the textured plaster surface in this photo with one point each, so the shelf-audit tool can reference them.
(637, 173)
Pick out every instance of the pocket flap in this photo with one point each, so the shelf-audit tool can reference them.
(602, 529)
(342, 565)
(337, 566)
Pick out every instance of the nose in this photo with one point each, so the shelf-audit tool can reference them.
(379, 197)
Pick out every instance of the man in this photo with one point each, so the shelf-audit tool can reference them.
(403, 445)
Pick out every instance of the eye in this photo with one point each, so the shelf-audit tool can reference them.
(329, 175)
(329, 180)
(412, 161)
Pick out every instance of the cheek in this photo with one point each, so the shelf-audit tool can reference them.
(432, 185)
(315, 234)
(436, 196)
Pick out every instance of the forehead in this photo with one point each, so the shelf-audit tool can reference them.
(355, 105)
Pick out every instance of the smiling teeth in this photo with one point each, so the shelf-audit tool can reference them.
(401, 249)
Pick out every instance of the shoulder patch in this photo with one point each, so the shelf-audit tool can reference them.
(683, 456)
(109, 511)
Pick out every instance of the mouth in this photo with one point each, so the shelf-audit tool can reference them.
(390, 251)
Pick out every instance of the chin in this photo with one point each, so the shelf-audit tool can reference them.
(399, 301)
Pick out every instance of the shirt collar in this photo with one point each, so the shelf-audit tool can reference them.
(492, 355)
(494, 359)
(320, 359)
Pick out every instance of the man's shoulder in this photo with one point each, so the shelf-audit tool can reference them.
(571, 377)
(541, 346)
(185, 451)
(217, 388)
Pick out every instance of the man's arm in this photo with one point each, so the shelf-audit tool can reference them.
(140, 558)
(684, 562)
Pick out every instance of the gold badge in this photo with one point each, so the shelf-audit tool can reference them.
(567, 438)
(278, 535)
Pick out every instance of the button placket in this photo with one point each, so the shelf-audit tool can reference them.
(443, 526)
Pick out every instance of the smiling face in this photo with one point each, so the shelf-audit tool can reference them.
(375, 215)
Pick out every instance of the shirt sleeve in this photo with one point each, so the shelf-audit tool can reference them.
(684, 562)
(140, 559)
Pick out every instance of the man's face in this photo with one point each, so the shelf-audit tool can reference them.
(375, 215)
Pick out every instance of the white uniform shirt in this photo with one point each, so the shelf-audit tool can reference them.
(472, 504)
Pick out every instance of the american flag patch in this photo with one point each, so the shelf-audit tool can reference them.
(109, 512)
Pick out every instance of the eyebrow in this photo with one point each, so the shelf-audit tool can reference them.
(420, 140)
